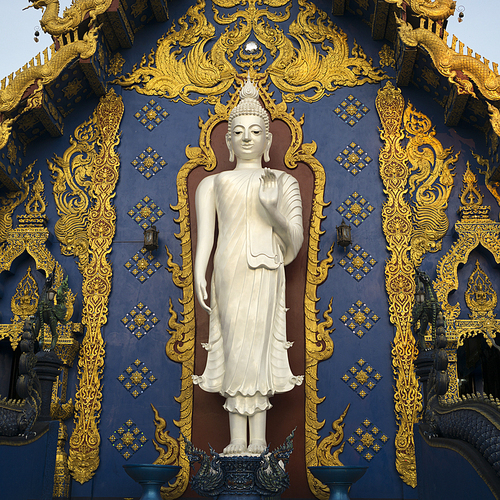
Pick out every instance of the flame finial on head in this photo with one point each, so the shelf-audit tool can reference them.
(249, 105)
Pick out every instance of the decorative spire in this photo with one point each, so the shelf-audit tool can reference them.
(35, 206)
(249, 104)
(471, 198)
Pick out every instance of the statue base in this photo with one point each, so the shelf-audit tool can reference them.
(241, 476)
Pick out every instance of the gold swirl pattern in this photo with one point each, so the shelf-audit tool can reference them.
(72, 176)
(399, 275)
(103, 175)
(437, 10)
(318, 343)
(293, 70)
(448, 62)
(430, 182)
(54, 25)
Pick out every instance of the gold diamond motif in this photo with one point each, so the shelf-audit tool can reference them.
(136, 378)
(361, 377)
(142, 264)
(353, 158)
(356, 209)
(351, 109)
(128, 438)
(145, 212)
(367, 439)
(357, 262)
(140, 319)
(359, 317)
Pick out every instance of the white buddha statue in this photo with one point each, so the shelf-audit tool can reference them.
(259, 214)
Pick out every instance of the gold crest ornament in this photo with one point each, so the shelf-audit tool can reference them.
(298, 69)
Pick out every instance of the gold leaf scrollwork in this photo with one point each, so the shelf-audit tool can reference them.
(72, 176)
(293, 70)
(98, 180)
(399, 276)
(430, 184)
(318, 343)
(491, 185)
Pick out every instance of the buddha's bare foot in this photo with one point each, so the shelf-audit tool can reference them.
(257, 446)
(235, 447)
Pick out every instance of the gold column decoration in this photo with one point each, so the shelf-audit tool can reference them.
(430, 184)
(180, 347)
(54, 25)
(83, 188)
(448, 62)
(436, 10)
(297, 65)
(399, 276)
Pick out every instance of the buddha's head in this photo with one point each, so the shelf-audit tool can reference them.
(248, 135)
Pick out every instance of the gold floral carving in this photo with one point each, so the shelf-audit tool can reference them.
(436, 10)
(297, 66)
(318, 343)
(430, 183)
(386, 55)
(54, 25)
(85, 181)
(399, 275)
(448, 62)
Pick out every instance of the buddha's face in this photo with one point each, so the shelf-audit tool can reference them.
(248, 139)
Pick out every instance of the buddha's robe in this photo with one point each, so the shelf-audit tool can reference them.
(247, 349)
